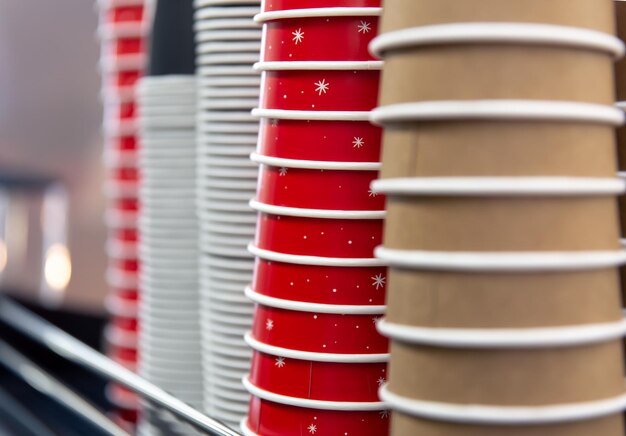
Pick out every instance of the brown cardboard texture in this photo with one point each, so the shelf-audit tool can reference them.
(541, 223)
(507, 377)
(497, 71)
(502, 300)
(498, 148)
(405, 425)
(591, 14)
(620, 67)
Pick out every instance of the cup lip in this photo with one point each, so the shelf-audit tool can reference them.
(224, 228)
(119, 307)
(221, 218)
(501, 186)
(225, 24)
(317, 213)
(228, 70)
(112, 158)
(228, 34)
(505, 338)
(285, 114)
(228, 81)
(226, 58)
(117, 278)
(256, 345)
(245, 430)
(524, 262)
(503, 415)
(125, 62)
(311, 404)
(313, 260)
(303, 306)
(318, 12)
(317, 65)
(501, 33)
(312, 164)
(543, 110)
(133, 29)
(243, 116)
(225, 12)
(118, 250)
(119, 220)
(222, 104)
(109, 4)
(120, 339)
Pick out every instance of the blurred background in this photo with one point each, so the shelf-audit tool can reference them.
(50, 154)
(52, 232)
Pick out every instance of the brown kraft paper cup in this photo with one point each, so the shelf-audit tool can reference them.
(498, 148)
(405, 425)
(494, 224)
(591, 14)
(497, 71)
(427, 298)
(507, 377)
(620, 67)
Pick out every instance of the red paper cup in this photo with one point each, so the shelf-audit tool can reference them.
(128, 295)
(126, 324)
(123, 79)
(319, 90)
(122, 397)
(121, 112)
(127, 205)
(315, 38)
(318, 332)
(124, 46)
(270, 418)
(126, 416)
(318, 188)
(125, 174)
(123, 354)
(124, 14)
(326, 381)
(122, 143)
(312, 236)
(128, 265)
(321, 284)
(320, 140)
(281, 5)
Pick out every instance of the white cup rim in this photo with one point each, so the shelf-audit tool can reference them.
(536, 337)
(318, 12)
(311, 404)
(313, 260)
(303, 306)
(314, 165)
(317, 65)
(317, 213)
(245, 430)
(485, 32)
(501, 186)
(225, 12)
(227, 58)
(503, 415)
(284, 114)
(498, 110)
(311, 355)
(501, 261)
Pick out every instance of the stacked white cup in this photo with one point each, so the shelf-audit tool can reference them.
(227, 45)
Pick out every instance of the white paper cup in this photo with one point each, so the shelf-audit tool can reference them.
(225, 24)
(251, 34)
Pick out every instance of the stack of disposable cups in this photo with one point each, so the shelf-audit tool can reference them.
(318, 360)
(169, 337)
(502, 231)
(227, 46)
(122, 31)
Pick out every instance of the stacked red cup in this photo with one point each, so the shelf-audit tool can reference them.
(318, 359)
(122, 31)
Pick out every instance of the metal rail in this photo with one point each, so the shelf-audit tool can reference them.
(75, 351)
(48, 385)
